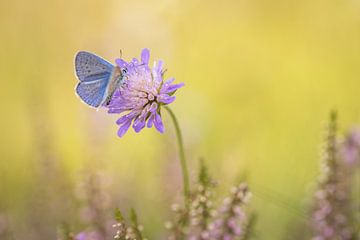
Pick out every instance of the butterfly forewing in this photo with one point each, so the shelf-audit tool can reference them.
(88, 65)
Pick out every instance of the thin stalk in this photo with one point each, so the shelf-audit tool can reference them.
(184, 169)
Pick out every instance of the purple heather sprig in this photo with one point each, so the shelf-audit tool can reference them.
(4, 227)
(231, 221)
(142, 94)
(126, 232)
(178, 227)
(202, 222)
(201, 211)
(201, 207)
(92, 193)
(331, 217)
(89, 235)
(350, 149)
(64, 232)
(192, 224)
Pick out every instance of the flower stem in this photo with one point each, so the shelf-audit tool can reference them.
(182, 157)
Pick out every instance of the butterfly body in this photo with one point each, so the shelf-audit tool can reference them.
(98, 78)
(115, 82)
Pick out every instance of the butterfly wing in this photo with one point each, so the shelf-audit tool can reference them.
(88, 65)
(94, 74)
(92, 93)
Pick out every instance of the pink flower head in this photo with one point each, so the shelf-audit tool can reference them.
(142, 94)
(92, 235)
(351, 147)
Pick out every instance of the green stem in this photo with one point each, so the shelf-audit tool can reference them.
(182, 157)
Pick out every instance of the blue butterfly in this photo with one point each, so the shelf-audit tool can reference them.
(98, 79)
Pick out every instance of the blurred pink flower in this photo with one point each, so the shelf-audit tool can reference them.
(351, 147)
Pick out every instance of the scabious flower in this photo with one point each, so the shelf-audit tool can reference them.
(142, 94)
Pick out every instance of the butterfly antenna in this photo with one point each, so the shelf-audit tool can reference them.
(120, 53)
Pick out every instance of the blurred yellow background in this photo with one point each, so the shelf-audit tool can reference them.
(260, 79)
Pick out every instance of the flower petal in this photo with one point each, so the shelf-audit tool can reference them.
(151, 120)
(128, 117)
(164, 98)
(123, 129)
(139, 124)
(158, 123)
(169, 81)
(145, 112)
(172, 88)
(153, 107)
(135, 61)
(145, 56)
(116, 110)
(80, 236)
(159, 66)
(121, 63)
(167, 84)
(122, 120)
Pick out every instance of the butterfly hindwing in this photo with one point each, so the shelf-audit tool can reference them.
(92, 93)
(88, 66)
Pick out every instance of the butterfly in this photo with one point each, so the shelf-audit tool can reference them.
(98, 79)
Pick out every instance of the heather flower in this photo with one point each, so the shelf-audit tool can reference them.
(192, 223)
(93, 194)
(142, 94)
(201, 206)
(124, 231)
(64, 232)
(331, 217)
(351, 147)
(203, 222)
(89, 235)
(4, 226)
(231, 221)
(178, 227)
(201, 211)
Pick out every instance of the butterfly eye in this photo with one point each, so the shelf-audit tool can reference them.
(124, 70)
